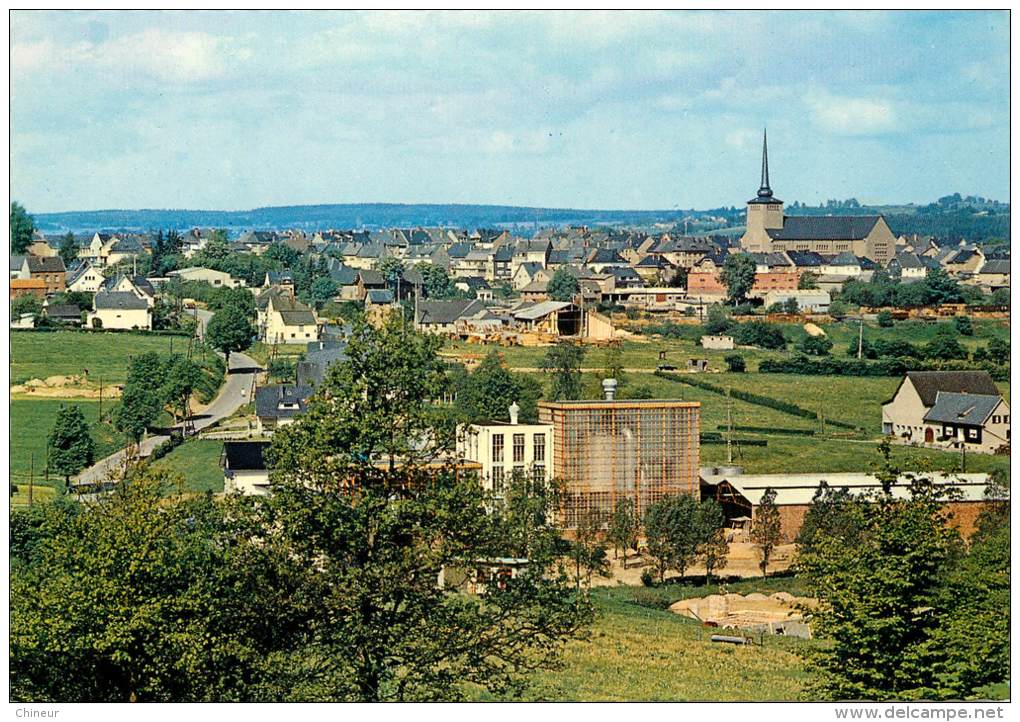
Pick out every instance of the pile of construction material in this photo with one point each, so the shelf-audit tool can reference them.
(779, 613)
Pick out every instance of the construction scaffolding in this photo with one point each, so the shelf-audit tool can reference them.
(609, 450)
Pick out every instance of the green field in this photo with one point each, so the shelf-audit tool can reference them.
(36, 355)
(640, 651)
(198, 461)
(31, 422)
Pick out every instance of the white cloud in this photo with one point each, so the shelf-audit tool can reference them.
(852, 116)
(169, 56)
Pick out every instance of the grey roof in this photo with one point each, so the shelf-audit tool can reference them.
(996, 266)
(312, 370)
(380, 296)
(128, 245)
(907, 260)
(277, 277)
(344, 275)
(281, 402)
(298, 317)
(371, 277)
(846, 258)
(459, 250)
(542, 309)
(123, 300)
(47, 264)
(17, 262)
(244, 455)
(63, 310)
(929, 383)
(824, 228)
(806, 259)
(532, 267)
(962, 409)
(606, 255)
(444, 312)
(504, 253)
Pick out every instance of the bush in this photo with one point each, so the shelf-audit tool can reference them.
(761, 334)
(963, 325)
(885, 319)
(735, 363)
(647, 578)
(815, 345)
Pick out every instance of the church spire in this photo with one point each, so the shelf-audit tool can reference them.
(765, 191)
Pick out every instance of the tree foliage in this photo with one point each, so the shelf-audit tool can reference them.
(22, 228)
(563, 285)
(738, 276)
(624, 527)
(563, 362)
(230, 329)
(142, 400)
(488, 391)
(766, 529)
(71, 445)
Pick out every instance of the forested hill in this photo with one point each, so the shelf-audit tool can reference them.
(951, 217)
(353, 215)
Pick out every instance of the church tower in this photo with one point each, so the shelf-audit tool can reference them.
(764, 212)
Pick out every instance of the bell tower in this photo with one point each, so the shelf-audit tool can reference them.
(764, 211)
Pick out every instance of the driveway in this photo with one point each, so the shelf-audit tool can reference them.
(236, 391)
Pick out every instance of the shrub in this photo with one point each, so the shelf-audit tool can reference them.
(963, 325)
(647, 578)
(815, 346)
(885, 319)
(735, 363)
(761, 334)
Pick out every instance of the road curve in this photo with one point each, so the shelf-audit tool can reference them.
(236, 391)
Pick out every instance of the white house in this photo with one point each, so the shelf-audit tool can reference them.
(219, 279)
(810, 300)
(244, 468)
(85, 277)
(120, 310)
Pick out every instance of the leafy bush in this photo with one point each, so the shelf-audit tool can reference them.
(735, 363)
(761, 334)
(647, 578)
(815, 345)
(885, 319)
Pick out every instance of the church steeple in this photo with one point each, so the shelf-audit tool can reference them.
(765, 191)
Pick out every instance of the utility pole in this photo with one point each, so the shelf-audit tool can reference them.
(860, 338)
(100, 419)
(31, 477)
(729, 428)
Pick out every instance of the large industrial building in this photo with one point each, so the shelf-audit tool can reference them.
(607, 450)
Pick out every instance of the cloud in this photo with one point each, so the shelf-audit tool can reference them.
(843, 115)
(155, 54)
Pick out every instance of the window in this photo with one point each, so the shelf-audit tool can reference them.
(539, 452)
(538, 472)
(519, 472)
(518, 448)
(497, 450)
(497, 479)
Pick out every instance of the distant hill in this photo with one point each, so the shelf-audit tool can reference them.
(354, 215)
(951, 217)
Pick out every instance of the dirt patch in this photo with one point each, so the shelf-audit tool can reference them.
(780, 613)
(813, 330)
(65, 387)
(742, 561)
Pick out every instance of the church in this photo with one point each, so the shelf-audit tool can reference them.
(769, 230)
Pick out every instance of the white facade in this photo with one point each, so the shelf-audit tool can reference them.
(121, 318)
(219, 279)
(503, 449)
(90, 281)
(812, 301)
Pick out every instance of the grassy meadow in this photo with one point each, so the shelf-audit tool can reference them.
(198, 462)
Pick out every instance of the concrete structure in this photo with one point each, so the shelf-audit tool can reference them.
(219, 279)
(504, 449)
(768, 229)
(740, 494)
(907, 414)
(717, 343)
(811, 301)
(607, 450)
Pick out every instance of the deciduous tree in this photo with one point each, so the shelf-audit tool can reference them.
(71, 445)
(766, 529)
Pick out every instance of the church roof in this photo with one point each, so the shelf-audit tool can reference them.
(824, 228)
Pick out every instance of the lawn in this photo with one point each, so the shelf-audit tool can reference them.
(31, 421)
(69, 353)
(198, 462)
(639, 651)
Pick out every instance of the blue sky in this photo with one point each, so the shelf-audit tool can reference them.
(234, 110)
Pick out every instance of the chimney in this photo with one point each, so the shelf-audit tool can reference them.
(514, 410)
(609, 388)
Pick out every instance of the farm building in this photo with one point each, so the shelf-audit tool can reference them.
(558, 318)
(740, 494)
(607, 450)
(812, 301)
(718, 343)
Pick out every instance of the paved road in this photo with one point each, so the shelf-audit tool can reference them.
(235, 393)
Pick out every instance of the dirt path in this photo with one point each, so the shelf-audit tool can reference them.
(741, 562)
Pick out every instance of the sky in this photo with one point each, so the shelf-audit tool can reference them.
(609, 110)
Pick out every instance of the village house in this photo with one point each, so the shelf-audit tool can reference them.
(911, 414)
(50, 270)
(993, 275)
(244, 468)
(120, 310)
(285, 320)
(28, 287)
(505, 449)
(441, 316)
(279, 405)
(84, 277)
(808, 300)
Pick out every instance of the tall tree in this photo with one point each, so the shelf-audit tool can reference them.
(766, 529)
(180, 377)
(673, 533)
(563, 361)
(563, 285)
(71, 445)
(436, 281)
(489, 390)
(68, 249)
(713, 550)
(229, 330)
(624, 527)
(738, 276)
(587, 551)
(22, 228)
(141, 400)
